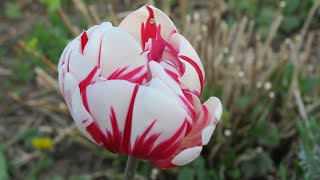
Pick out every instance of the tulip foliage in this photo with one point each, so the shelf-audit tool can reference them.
(134, 89)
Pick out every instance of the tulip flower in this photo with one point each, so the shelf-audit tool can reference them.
(134, 89)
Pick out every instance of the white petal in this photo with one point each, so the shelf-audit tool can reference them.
(158, 84)
(193, 66)
(80, 66)
(150, 105)
(214, 106)
(158, 71)
(103, 96)
(169, 66)
(207, 133)
(119, 50)
(186, 156)
(74, 101)
(92, 48)
(190, 78)
(73, 46)
(132, 23)
(91, 30)
(185, 48)
(62, 57)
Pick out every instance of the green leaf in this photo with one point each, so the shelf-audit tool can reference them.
(11, 11)
(24, 133)
(243, 102)
(225, 115)
(283, 172)
(291, 6)
(206, 93)
(246, 6)
(268, 134)
(263, 30)
(22, 71)
(172, 2)
(43, 163)
(200, 170)
(57, 177)
(235, 173)
(79, 178)
(3, 164)
(258, 166)
(33, 43)
(266, 15)
(290, 23)
(52, 5)
(186, 173)
(265, 162)
(309, 84)
(309, 154)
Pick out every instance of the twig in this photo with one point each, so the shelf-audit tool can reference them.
(62, 108)
(22, 45)
(82, 8)
(93, 11)
(166, 7)
(113, 13)
(5, 72)
(72, 29)
(307, 23)
(273, 30)
(45, 78)
(35, 154)
(26, 158)
(299, 102)
(313, 106)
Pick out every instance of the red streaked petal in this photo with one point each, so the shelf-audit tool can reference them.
(116, 134)
(94, 47)
(169, 146)
(128, 123)
(73, 99)
(191, 144)
(136, 23)
(148, 28)
(144, 144)
(119, 50)
(197, 68)
(85, 82)
(136, 75)
(84, 40)
(108, 103)
(153, 104)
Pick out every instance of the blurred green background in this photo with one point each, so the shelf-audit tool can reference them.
(261, 59)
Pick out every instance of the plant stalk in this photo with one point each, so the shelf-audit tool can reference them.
(131, 168)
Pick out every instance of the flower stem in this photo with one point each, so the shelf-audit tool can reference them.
(131, 168)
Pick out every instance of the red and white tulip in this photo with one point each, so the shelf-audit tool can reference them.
(135, 89)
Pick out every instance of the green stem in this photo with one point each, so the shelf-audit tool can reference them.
(131, 168)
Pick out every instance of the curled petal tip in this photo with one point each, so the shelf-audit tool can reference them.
(207, 133)
(218, 109)
(186, 156)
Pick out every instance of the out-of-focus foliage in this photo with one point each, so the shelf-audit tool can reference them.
(310, 148)
(3, 163)
(11, 11)
(265, 11)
